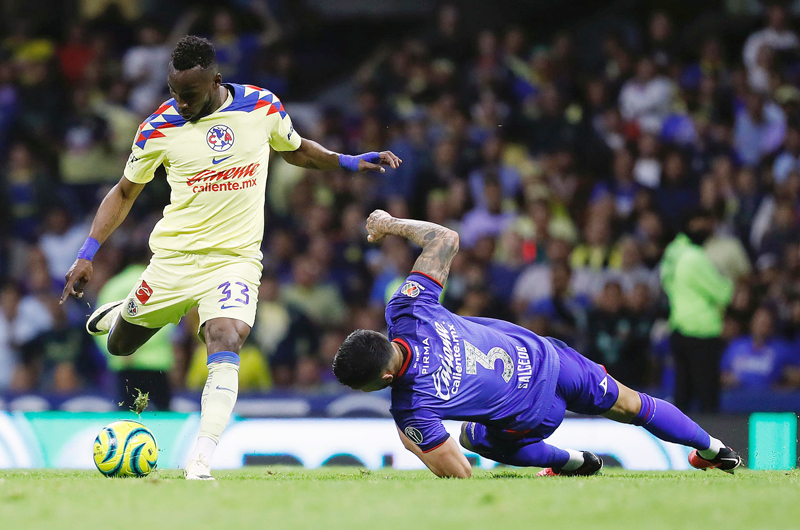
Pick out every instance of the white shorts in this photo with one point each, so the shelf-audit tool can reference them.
(221, 285)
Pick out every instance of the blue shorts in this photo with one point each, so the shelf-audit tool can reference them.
(584, 387)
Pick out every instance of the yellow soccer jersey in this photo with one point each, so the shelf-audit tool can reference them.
(217, 171)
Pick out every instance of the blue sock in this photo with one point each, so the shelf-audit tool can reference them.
(667, 422)
(537, 454)
(223, 357)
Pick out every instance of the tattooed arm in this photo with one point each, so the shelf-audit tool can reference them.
(110, 214)
(311, 155)
(439, 244)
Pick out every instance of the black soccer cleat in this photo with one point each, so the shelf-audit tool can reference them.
(727, 460)
(592, 464)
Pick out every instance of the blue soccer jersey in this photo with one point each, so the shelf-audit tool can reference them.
(462, 368)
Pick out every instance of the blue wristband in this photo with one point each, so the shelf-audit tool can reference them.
(350, 162)
(89, 249)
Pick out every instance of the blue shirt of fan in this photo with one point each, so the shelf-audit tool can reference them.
(464, 368)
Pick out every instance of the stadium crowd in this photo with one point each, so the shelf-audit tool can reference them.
(566, 169)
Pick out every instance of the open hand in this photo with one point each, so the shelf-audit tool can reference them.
(77, 278)
(376, 225)
(387, 158)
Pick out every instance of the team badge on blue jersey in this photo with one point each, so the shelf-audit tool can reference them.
(411, 289)
(220, 138)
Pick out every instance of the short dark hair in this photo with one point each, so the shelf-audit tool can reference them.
(193, 51)
(697, 212)
(361, 358)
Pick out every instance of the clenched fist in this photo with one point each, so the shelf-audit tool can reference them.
(376, 225)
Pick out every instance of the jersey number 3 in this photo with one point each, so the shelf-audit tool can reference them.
(475, 357)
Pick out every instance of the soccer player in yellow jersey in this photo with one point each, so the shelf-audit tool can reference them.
(214, 141)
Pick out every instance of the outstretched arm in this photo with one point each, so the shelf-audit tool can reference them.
(112, 212)
(311, 155)
(439, 244)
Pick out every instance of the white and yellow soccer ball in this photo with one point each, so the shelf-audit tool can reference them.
(125, 449)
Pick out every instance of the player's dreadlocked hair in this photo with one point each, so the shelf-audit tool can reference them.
(361, 358)
(193, 51)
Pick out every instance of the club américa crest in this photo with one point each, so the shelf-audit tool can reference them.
(220, 138)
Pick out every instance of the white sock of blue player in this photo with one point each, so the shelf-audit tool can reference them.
(216, 406)
(712, 450)
(575, 460)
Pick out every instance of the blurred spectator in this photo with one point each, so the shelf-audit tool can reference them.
(564, 312)
(630, 271)
(677, 195)
(761, 359)
(145, 68)
(493, 168)
(26, 193)
(61, 240)
(149, 369)
(698, 295)
(759, 129)
(237, 50)
(776, 37)
(617, 341)
(489, 220)
(75, 54)
(10, 297)
(595, 250)
(646, 99)
(789, 160)
(320, 301)
(622, 189)
(647, 169)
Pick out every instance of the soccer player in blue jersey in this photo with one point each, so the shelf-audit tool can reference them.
(510, 386)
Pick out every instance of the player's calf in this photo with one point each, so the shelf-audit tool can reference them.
(667, 422)
(125, 338)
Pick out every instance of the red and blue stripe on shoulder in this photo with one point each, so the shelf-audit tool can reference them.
(165, 117)
(248, 98)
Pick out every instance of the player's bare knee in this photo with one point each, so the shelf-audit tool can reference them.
(627, 406)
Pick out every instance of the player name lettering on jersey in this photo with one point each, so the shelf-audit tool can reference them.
(426, 356)
(524, 367)
(447, 378)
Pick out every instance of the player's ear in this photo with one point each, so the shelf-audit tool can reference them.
(217, 79)
(387, 378)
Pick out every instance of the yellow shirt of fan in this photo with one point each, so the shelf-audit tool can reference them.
(217, 171)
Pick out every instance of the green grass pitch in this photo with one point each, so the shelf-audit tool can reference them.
(349, 498)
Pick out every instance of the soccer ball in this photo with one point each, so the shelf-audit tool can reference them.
(125, 449)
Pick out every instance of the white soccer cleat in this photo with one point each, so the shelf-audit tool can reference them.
(198, 469)
(103, 318)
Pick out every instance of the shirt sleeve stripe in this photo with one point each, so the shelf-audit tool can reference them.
(429, 277)
(437, 446)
